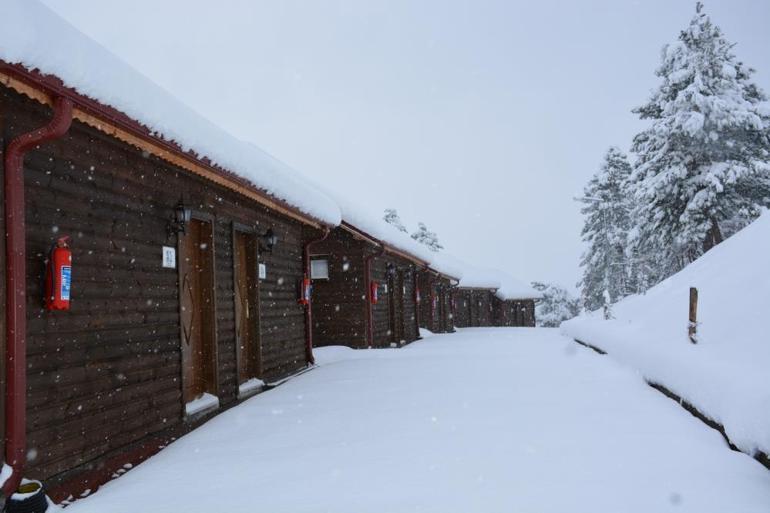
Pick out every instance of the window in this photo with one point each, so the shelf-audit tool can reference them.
(319, 269)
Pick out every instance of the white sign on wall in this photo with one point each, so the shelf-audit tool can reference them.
(262, 271)
(169, 257)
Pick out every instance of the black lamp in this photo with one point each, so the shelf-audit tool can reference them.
(182, 216)
(390, 269)
(269, 239)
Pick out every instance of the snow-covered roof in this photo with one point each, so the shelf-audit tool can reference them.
(474, 277)
(36, 38)
(448, 265)
(376, 227)
(512, 289)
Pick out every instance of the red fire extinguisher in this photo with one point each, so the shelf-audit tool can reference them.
(58, 276)
(373, 292)
(305, 291)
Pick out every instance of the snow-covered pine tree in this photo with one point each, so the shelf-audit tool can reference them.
(427, 237)
(607, 209)
(702, 169)
(556, 306)
(391, 217)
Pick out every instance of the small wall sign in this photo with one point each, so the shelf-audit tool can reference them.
(262, 271)
(169, 257)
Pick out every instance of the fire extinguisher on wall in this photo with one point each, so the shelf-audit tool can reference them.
(373, 292)
(58, 276)
(306, 289)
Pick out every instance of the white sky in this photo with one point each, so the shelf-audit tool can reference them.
(481, 118)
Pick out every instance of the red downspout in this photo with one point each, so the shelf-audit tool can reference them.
(369, 305)
(16, 300)
(309, 307)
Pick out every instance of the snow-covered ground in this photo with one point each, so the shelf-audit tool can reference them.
(487, 420)
(726, 374)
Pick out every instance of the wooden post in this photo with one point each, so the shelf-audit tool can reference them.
(692, 327)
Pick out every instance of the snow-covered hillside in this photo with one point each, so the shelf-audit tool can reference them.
(726, 374)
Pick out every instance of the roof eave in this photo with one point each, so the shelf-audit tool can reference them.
(42, 88)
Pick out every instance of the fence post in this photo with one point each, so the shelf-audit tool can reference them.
(692, 327)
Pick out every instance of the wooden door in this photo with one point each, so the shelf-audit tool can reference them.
(196, 298)
(246, 279)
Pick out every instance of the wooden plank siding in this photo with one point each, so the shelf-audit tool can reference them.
(436, 305)
(340, 315)
(474, 308)
(339, 303)
(106, 375)
(401, 330)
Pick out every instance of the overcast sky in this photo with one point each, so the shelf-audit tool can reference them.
(481, 118)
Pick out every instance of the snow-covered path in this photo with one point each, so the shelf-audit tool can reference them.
(484, 420)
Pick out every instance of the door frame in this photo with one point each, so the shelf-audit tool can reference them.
(211, 220)
(250, 230)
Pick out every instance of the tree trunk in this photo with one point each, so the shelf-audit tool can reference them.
(713, 236)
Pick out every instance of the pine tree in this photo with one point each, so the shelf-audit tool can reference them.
(556, 306)
(702, 170)
(607, 269)
(427, 237)
(391, 217)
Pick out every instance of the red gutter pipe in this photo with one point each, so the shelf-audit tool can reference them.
(15, 275)
(369, 305)
(309, 306)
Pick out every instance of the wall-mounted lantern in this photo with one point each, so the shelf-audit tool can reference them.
(182, 216)
(268, 240)
(390, 269)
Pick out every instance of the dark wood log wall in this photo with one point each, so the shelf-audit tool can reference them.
(475, 307)
(340, 315)
(428, 319)
(514, 313)
(106, 374)
(3, 130)
(404, 331)
(462, 300)
(339, 303)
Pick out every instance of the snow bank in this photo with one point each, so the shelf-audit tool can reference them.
(725, 375)
(494, 420)
(35, 37)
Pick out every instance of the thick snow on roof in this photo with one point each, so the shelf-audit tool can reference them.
(448, 265)
(511, 288)
(479, 278)
(362, 219)
(35, 37)
(725, 374)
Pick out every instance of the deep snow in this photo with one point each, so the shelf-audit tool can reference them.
(726, 374)
(487, 420)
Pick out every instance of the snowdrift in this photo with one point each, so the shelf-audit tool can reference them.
(725, 375)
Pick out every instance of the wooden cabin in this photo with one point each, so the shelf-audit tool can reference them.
(184, 284)
(364, 291)
(514, 302)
